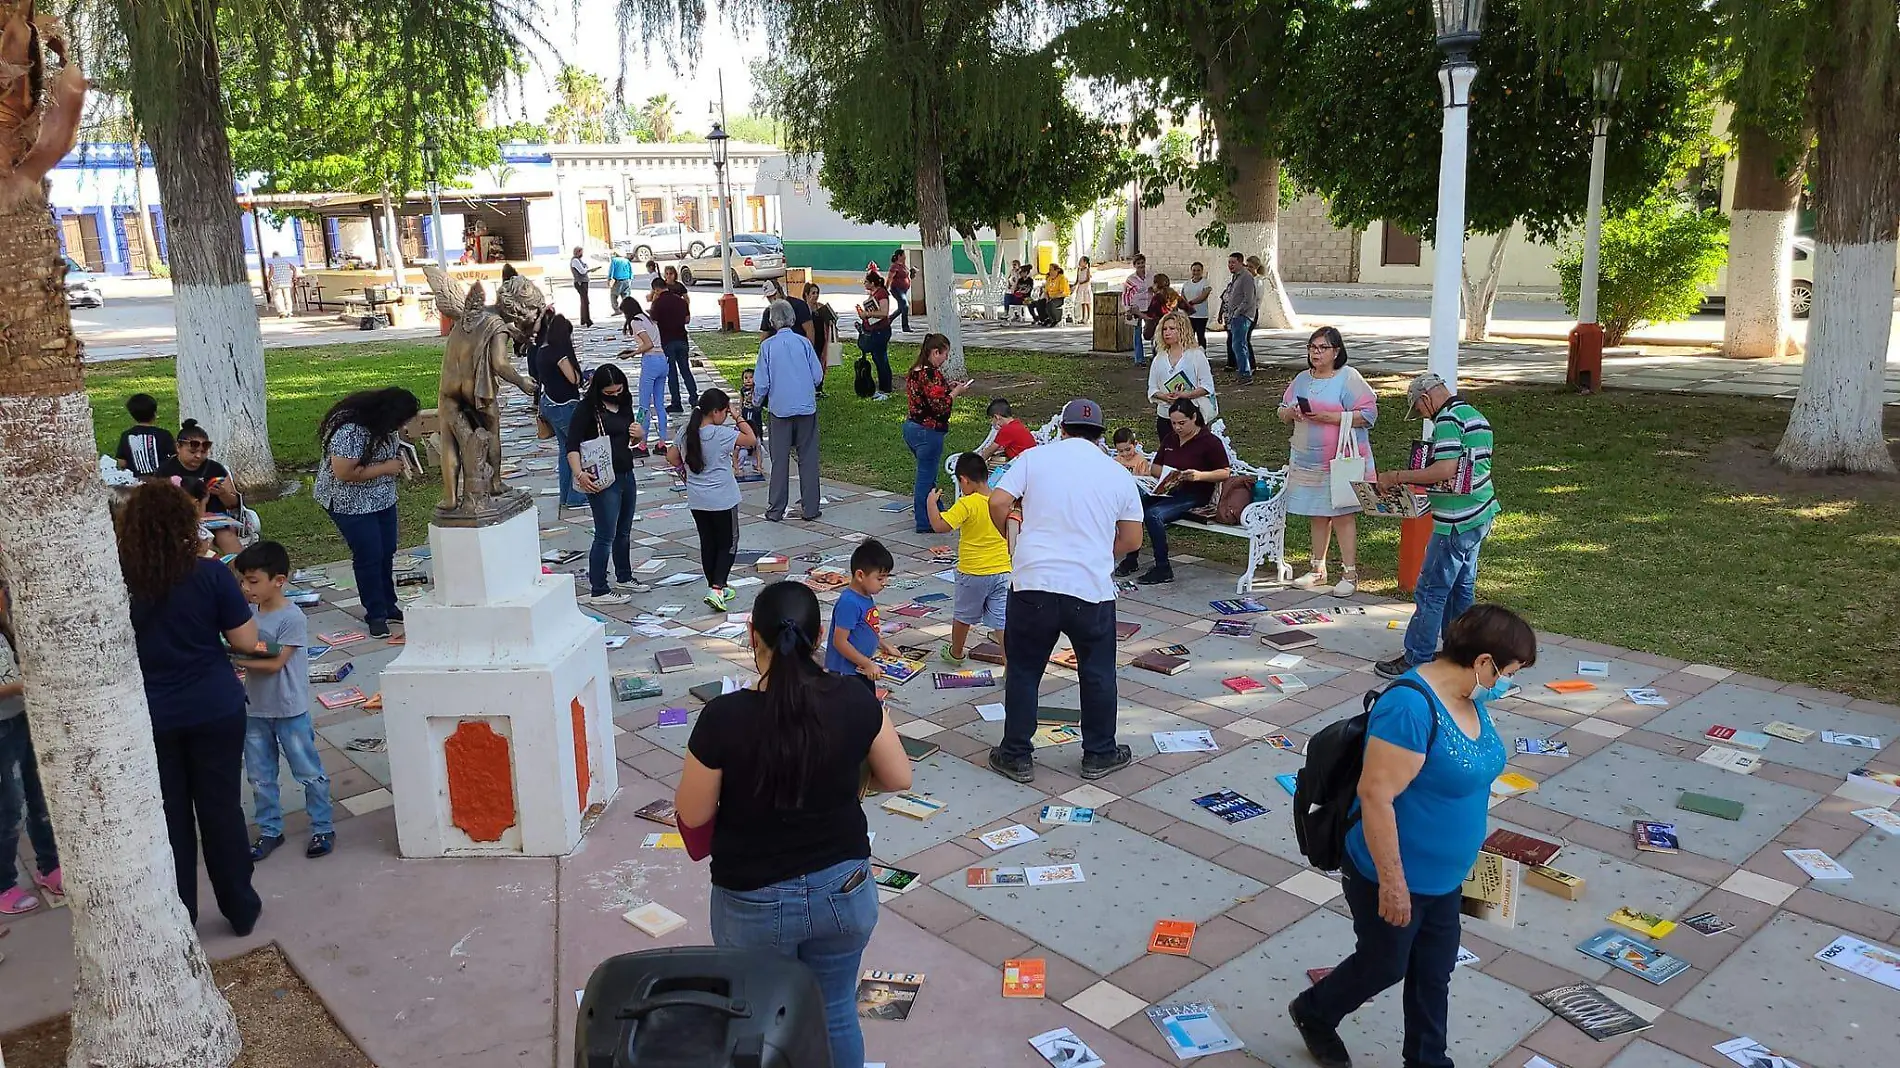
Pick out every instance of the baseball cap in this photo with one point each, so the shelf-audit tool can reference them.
(1083, 412)
(1420, 385)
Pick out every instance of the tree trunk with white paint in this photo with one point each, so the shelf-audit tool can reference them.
(392, 239)
(1758, 320)
(144, 996)
(1836, 422)
(1481, 293)
(220, 350)
(1253, 225)
(933, 225)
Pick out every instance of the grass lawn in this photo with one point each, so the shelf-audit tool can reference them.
(1649, 521)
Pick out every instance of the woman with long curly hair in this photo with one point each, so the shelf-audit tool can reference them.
(356, 483)
(183, 603)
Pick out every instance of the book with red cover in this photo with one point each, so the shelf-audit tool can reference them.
(1522, 848)
(1172, 936)
(1570, 686)
(1025, 978)
(350, 695)
(1243, 684)
(987, 653)
(1125, 631)
(1064, 658)
(1166, 665)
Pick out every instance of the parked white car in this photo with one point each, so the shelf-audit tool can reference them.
(82, 287)
(1801, 291)
(750, 263)
(665, 241)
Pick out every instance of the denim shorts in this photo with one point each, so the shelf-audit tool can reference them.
(981, 599)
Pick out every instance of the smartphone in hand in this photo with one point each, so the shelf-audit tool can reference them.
(1306, 407)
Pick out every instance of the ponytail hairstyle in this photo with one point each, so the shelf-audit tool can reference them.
(786, 620)
(710, 402)
(933, 343)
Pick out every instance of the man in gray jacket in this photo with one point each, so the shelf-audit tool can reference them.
(1239, 305)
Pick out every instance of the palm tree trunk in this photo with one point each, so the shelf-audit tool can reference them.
(1758, 320)
(174, 60)
(144, 997)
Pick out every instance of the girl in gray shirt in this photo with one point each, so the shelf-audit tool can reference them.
(704, 452)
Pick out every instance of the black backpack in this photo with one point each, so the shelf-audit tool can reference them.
(865, 384)
(1326, 796)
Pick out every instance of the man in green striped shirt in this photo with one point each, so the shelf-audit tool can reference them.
(1464, 502)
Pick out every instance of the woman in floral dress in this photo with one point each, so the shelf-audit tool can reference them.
(1321, 402)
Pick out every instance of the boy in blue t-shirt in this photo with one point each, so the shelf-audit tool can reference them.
(854, 620)
(278, 686)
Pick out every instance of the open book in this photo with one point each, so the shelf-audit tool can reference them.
(1163, 481)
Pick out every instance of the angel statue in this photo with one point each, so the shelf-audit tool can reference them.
(468, 413)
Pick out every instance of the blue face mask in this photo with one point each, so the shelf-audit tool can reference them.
(1482, 695)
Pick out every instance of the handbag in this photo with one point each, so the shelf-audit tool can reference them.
(1348, 466)
(597, 456)
(834, 352)
(1232, 498)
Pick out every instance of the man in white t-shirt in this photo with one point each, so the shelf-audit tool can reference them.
(1194, 294)
(1080, 512)
(282, 281)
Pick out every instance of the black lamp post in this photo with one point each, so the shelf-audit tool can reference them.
(431, 160)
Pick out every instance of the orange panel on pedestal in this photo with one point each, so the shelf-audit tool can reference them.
(481, 781)
(582, 776)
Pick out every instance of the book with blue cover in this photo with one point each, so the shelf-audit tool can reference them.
(1289, 782)
(1230, 806)
(1634, 956)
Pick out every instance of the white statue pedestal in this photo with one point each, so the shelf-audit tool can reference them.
(499, 710)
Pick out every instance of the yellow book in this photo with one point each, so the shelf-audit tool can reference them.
(1644, 923)
(1511, 783)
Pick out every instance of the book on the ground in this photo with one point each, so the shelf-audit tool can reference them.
(1288, 683)
(1053, 814)
(1593, 669)
(1185, 742)
(718, 687)
(1875, 962)
(1314, 975)
(771, 564)
(1172, 936)
(1064, 658)
(1707, 923)
(1707, 805)
(1285, 662)
(1859, 741)
(1027, 978)
(888, 995)
(1177, 649)
(561, 556)
(1817, 864)
(669, 660)
(1243, 684)
(1059, 717)
(1290, 782)
(349, 695)
(303, 598)
(1510, 784)
(1062, 1048)
(1302, 617)
(1501, 882)
(897, 669)
(635, 686)
(1049, 734)
(919, 748)
(1746, 739)
(1125, 630)
(1166, 665)
(1883, 818)
(980, 877)
(1645, 695)
(1643, 923)
(1237, 606)
(673, 717)
(1523, 848)
(342, 637)
(663, 841)
(987, 653)
(1230, 806)
(1282, 742)
(1485, 881)
(315, 652)
(896, 880)
(1193, 1029)
(1004, 837)
(660, 811)
(1053, 874)
(1721, 756)
(328, 673)
(916, 806)
(1881, 781)
(1231, 628)
(961, 680)
(1749, 1053)
(913, 610)
(1654, 837)
(411, 578)
(1570, 686)
(1542, 747)
(1628, 954)
(1288, 639)
(1552, 881)
(1590, 1011)
(1787, 731)
(654, 918)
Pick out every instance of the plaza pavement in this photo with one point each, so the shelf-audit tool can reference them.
(475, 962)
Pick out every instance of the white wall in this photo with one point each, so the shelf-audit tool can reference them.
(1527, 264)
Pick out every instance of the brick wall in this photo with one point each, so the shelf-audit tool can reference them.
(1311, 248)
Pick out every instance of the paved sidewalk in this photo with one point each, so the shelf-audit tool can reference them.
(475, 962)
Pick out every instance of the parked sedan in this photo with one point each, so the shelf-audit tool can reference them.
(770, 241)
(750, 263)
(82, 287)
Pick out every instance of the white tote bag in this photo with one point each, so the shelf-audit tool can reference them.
(597, 456)
(1348, 466)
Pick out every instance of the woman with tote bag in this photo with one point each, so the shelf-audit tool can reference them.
(1331, 409)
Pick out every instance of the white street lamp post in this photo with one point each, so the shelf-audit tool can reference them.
(1585, 369)
(1459, 25)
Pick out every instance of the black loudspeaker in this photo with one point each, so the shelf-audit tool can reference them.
(701, 1007)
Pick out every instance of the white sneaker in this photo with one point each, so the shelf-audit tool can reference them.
(880, 396)
(1348, 583)
(633, 586)
(1312, 579)
(604, 599)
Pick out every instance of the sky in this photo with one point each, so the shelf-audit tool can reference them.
(582, 32)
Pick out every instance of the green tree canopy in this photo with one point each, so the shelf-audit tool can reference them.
(580, 117)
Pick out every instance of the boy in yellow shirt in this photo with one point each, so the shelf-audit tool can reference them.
(982, 555)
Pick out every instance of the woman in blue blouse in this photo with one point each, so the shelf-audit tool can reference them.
(1431, 753)
(356, 484)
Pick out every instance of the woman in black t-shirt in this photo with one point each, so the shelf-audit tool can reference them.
(606, 410)
(558, 372)
(193, 460)
(779, 766)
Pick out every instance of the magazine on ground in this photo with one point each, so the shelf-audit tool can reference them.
(1063, 1049)
(1591, 1011)
(1632, 955)
(888, 995)
(1193, 1029)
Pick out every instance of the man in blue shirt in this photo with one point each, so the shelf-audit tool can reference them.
(787, 382)
(619, 279)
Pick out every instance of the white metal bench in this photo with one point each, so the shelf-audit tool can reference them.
(1262, 523)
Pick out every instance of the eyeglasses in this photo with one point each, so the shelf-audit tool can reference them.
(1319, 346)
(196, 446)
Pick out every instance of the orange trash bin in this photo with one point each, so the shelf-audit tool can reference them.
(1414, 535)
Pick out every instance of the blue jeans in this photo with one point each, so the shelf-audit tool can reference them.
(1156, 514)
(877, 345)
(1240, 339)
(292, 736)
(654, 371)
(1036, 619)
(903, 308)
(20, 795)
(613, 510)
(927, 445)
(808, 919)
(560, 417)
(1420, 954)
(1140, 357)
(679, 362)
(1447, 584)
(371, 537)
